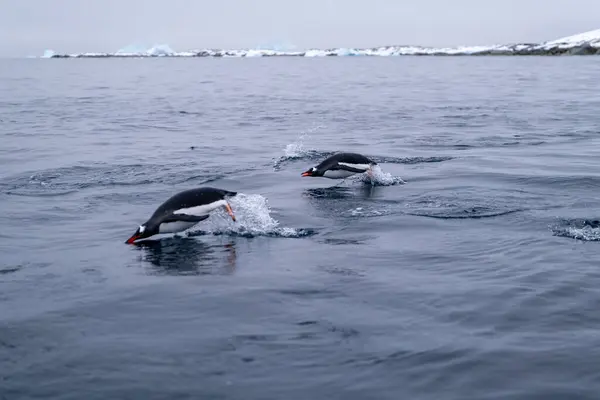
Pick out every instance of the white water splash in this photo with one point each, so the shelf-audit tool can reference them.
(380, 178)
(586, 233)
(296, 149)
(253, 218)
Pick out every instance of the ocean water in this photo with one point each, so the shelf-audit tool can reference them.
(467, 270)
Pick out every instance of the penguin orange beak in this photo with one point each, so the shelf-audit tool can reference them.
(230, 212)
(307, 173)
(133, 238)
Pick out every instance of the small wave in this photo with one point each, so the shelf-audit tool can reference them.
(470, 213)
(67, 180)
(410, 160)
(446, 208)
(580, 229)
(337, 241)
(62, 181)
(349, 202)
(184, 112)
(565, 181)
(365, 211)
(10, 269)
(253, 218)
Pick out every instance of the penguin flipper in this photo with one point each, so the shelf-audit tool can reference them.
(185, 218)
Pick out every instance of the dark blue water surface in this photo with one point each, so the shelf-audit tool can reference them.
(476, 278)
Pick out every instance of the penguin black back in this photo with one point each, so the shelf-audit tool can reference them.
(192, 198)
(349, 158)
(341, 166)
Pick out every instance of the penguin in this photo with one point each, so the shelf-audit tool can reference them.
(184, 210)
(341, 166)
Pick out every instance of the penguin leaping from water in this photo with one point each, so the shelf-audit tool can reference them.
(184, 210)
(341, 166)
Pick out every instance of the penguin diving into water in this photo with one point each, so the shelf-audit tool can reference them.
(184, 210)
(341, 166)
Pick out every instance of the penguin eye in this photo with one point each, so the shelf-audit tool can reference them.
(142, 228)
(314, 169)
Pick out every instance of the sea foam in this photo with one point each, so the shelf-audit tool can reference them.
(253, 218)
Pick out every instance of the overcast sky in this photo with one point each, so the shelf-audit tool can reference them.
(28, 27)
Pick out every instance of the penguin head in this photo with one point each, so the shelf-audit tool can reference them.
(143, 231)
(312, 172)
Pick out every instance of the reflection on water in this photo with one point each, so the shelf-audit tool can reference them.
(188, 256)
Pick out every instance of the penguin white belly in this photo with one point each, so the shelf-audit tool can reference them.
(199, 211)
(173, 227)
(364, 167)
(337, 174)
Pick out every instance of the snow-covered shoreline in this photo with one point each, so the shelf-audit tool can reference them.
(587, 43)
